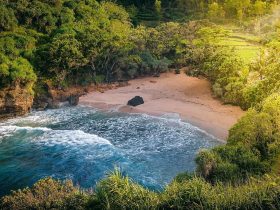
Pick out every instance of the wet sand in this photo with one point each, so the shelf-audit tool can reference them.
(171, 93)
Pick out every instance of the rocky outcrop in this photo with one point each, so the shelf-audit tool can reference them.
(51, 97)
(15, 101)
(136, 101)
(73, 100)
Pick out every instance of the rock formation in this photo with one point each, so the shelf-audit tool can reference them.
(136, 101)
(15, 101)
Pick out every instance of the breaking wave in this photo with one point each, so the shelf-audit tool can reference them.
(84, 144)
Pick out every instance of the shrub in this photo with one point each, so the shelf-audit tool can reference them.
(230, 163)
(45, 194)
(117, 192)
(259, 129)
(198, 194)
(190, 194)
(182, 177)
(8, 20)
(22, 71)
(206, 161)
(17, 71)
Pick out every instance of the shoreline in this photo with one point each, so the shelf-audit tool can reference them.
(189, 97)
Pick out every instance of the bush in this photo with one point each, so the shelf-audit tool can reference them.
(230, 163)
(206, 161)
(182, 177)
(117, 192)
(198, 194)
(18, 71)
(252, 149)
(190, 194)
(259, 129)
(8, 20)
(46, 194)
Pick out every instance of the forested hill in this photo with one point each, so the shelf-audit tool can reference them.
(64, 43)
(55, 44)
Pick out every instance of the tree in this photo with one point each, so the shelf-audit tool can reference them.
(215, 11)
(16, 72)
(65, 55)
(8, 20)
(259, 8)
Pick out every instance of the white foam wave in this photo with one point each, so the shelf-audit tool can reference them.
(116, 108)
(8, 130)
(71, 137)
(49, 136)
(175, 118)
(35, 118)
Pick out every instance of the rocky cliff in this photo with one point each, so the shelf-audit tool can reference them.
(51, 97)
(15, 101)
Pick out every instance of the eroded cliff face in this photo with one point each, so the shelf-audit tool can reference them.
(51, 97)
(15, 101)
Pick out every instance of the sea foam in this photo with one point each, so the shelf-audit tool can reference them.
(51, 136)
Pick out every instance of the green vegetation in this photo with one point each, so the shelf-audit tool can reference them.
(117, 192)
(46, 194)
(253, 144)
(72, 42)
(15, 67)
(152, 11)
(247, 46)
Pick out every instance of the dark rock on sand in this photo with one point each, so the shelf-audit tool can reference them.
(136, 101)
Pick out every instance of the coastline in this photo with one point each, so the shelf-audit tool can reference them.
(189, 97)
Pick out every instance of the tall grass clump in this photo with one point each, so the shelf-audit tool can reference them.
(119, 192)
(198, 194)
(46, 194)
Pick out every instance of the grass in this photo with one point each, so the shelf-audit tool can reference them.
(246, 49)
(117, 192)
(247, 45)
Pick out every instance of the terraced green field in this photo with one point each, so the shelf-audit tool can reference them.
(247, 45)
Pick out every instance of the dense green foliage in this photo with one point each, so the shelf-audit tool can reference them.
(73, 42)
(117, 192)
(15, 54)
(235, 81)
(158, 10)
(46, 194)
(253, 143)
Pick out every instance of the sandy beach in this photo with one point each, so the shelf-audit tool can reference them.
(189, 97)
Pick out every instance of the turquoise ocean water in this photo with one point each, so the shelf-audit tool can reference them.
(85, 144)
